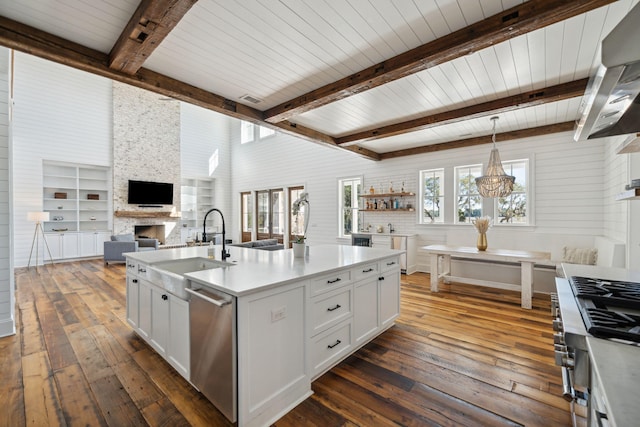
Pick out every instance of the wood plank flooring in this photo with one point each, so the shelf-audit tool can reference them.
(467, 356)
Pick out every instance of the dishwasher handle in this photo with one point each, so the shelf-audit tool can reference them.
(219, 303)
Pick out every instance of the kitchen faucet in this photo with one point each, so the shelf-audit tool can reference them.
(225, 254)
(391, 230)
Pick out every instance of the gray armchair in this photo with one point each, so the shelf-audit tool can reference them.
(123, 243)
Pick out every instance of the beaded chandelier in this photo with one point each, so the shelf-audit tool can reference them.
(495, 183)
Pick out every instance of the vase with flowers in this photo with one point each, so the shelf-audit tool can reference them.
(299, 240)
(482, 225)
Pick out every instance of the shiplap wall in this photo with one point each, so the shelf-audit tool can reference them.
(616, 177)
(569, 188)
(7, 325)
(60, 114)
(202, 132)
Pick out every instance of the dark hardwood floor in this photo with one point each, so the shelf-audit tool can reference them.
(467, 356)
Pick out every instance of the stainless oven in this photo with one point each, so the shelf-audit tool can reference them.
(570, 348)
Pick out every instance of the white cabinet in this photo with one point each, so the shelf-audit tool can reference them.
(389, 293)
(63, 245)
(159, 317)
(196, 200)
(407, 243)
(178, 345)
(78, 199)
(132, 301)
(144, 309)
(377, 300)
(347, 308)
(92, 243)
(381, 241)
(272, 372)
(366, 321)
(329, 347)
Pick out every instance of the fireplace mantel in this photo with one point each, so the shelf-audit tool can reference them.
(144, 214)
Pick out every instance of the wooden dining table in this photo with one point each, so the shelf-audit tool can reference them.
(440, 258)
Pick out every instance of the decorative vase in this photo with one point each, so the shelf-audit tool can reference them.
(298, 250)
(482, 241)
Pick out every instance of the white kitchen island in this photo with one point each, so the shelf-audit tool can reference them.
(295, 317)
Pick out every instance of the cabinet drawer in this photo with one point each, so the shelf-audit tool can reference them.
(365, 271)
(330, 281)
(390, 264)
(132, 266)
(330, 346)
(329, 309)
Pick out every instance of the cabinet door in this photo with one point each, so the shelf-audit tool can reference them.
(159, 319)
(365, 312)
(70, 245)
(381, 241)
(178, 347)
(144, 312)
(389, 285)
(54, 242)
(100, 238)
(132, 301)
(88, 244)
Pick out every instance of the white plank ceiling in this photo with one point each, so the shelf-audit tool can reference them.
(278, 50)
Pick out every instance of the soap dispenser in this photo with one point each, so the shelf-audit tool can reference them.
(210, 252)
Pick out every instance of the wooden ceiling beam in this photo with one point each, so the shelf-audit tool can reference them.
(518, 20)
(152, 21)
(486, 139)
(498, 106)
(24, 38)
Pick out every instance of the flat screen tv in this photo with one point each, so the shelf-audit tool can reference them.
(147, 193)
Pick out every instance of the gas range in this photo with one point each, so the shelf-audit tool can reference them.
(609, 308)
(598, 308)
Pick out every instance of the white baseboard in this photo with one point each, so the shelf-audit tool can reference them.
(7, 327)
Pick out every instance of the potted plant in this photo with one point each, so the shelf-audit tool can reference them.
(298, 243)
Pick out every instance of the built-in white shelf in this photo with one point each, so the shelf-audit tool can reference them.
(632, 194)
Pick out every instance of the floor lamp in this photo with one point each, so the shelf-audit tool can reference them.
(38, 217)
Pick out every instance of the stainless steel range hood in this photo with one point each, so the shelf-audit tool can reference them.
(611, 103)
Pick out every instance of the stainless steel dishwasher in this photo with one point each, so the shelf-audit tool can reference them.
(212, 324)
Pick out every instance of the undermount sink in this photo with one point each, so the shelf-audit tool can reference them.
(170, 274)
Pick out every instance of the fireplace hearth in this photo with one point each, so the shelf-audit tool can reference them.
(150, 232)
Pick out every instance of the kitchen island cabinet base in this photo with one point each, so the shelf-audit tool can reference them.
(289, 333)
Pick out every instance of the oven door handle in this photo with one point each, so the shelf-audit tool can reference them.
(567, 389)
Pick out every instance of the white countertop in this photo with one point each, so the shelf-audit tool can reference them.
(257, 270)
(374, 233)
(617, 367)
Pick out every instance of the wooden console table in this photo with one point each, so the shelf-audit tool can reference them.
(526, 259)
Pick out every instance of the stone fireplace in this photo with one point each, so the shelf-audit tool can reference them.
(150, 232)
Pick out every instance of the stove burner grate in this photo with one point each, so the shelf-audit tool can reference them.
(620, 293)
(605, 323)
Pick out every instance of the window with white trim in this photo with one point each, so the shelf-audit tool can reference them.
(515, 208)
(246, 132)
(468, 202)
(432, 196)
(250, 132)
(348, 191)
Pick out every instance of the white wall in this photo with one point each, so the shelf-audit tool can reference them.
(616, 177)
(60, 114)
(7, 324)
(568, 185)
(202, 132)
